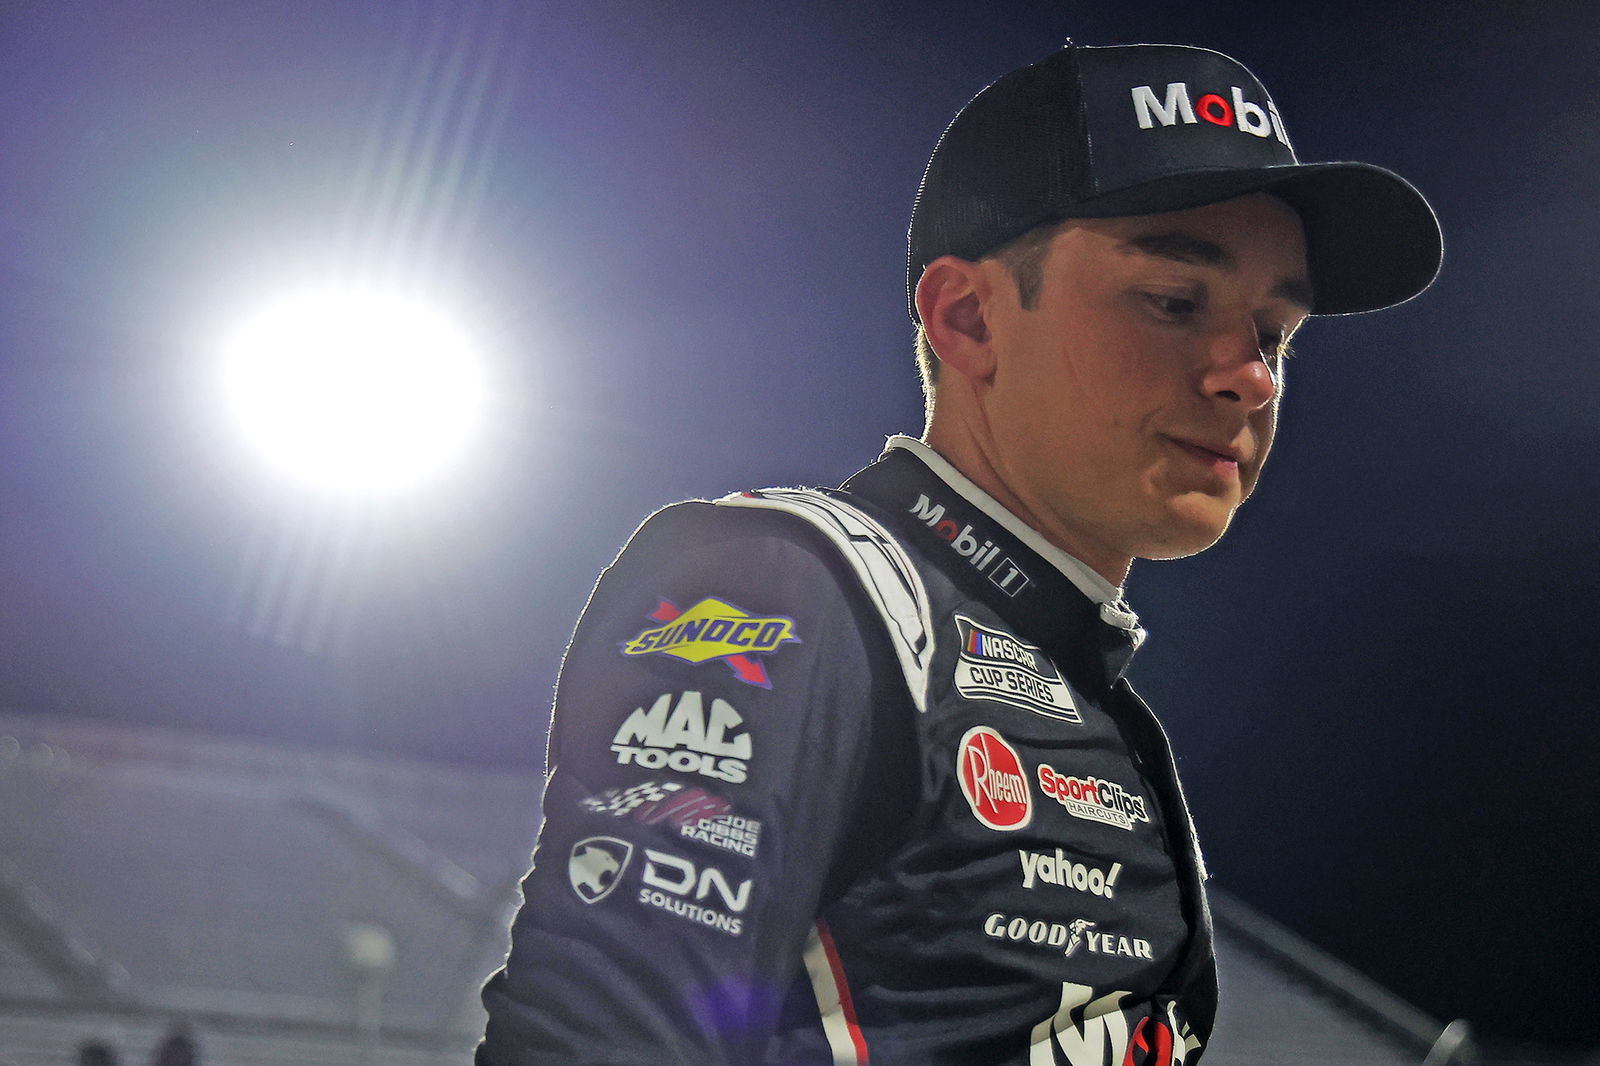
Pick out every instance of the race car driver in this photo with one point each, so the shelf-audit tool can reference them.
(856, 775)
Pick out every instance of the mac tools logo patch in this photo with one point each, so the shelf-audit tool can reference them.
(994, 665)
(992, 780)
(687, 736)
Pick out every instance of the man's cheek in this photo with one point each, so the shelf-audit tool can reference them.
(1265, 424)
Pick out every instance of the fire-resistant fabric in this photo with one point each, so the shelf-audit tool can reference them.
(853, 776)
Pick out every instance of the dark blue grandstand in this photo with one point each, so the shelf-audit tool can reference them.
(314, 909)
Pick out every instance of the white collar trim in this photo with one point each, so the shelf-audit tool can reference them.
(1074, 570)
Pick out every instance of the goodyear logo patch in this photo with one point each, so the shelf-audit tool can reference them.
(714, 629)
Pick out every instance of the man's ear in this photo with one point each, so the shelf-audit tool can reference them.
(952, 301)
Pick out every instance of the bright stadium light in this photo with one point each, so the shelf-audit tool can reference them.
(354, 389)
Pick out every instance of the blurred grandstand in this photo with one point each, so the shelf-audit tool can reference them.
(302, 908)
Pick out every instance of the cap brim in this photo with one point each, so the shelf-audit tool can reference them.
(1372, 240)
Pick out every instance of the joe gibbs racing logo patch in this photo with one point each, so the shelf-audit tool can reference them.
(697, 814)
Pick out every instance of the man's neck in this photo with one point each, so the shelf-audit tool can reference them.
(966, 452)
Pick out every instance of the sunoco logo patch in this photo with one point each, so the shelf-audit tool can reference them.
(994, 665)
(714, 629)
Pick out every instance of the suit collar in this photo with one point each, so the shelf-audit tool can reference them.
(1056, 600)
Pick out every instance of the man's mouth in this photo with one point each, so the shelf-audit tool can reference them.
(1222, 458)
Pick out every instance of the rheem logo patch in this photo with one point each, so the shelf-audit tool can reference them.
(992, 780)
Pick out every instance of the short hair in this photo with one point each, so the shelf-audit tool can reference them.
(1023, 257)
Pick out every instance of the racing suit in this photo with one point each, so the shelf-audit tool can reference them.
(851, 775)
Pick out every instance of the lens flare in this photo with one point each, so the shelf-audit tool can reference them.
(354, 389)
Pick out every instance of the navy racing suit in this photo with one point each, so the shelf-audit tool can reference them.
(854, 775)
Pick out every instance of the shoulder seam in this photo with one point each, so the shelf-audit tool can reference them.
(887, 574)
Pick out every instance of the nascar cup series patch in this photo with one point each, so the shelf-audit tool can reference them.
(994, 665)
(714, 629)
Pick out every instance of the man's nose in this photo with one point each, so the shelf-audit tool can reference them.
(1238, 371)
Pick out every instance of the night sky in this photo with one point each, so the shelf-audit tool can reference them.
(680, 240)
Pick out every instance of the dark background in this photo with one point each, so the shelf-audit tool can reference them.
(681, 238)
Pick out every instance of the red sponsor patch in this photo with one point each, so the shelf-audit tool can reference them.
(1150, 1044)
(992, 780)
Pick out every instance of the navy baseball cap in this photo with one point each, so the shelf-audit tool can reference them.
(1145, 128)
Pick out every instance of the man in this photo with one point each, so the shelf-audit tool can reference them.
(855, 775)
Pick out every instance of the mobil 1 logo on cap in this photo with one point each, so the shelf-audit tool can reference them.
(1178, 104)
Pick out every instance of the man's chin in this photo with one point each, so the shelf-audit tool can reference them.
(1193, 525)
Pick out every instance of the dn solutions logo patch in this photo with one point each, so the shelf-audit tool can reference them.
(596, 865)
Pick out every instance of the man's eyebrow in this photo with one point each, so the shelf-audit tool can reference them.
(1296, 290)
(1187, 248)
(1184, 248)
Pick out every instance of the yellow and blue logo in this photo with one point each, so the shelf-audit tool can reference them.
(714, 629)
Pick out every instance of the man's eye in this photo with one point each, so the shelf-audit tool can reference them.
(1275, 347)
(1172, 306)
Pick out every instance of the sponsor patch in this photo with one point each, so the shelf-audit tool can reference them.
(1126, 1034)
(992, 779)
(994, 665)
(697, 893)
(697, 814)
(596, 865)
(1175, 105)
(983, 556)
(1093, 799)
(730, 832)
(714, 629)
(686, 736)
(1043, 868)
(1070, 937)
